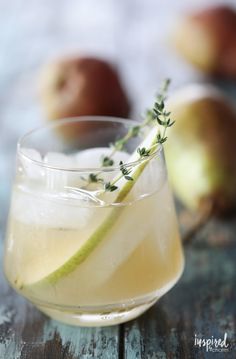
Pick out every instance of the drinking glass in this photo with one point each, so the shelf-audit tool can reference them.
(80, 254)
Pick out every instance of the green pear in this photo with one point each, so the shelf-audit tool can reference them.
(201, 149)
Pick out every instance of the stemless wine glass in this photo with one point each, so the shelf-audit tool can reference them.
(81, 254)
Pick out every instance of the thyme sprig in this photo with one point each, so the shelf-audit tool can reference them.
(159, 117)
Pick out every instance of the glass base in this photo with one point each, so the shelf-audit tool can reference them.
(101, 318)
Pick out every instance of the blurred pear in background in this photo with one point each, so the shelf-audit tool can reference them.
(207, 39)
(201, 149)
(78, 86)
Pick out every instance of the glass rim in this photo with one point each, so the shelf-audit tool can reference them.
(59, 122)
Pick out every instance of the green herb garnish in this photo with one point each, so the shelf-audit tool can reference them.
(157, 116)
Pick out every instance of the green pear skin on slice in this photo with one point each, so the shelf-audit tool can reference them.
(101, 232)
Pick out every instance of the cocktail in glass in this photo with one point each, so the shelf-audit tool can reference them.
(82, 255)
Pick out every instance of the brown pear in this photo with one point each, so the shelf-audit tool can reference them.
(82, 86)
(207, 39)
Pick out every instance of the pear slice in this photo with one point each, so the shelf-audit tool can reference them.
(106, 226)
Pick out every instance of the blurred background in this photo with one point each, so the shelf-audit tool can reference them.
(134, 35)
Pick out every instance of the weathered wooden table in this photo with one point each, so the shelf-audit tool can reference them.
(204, 301)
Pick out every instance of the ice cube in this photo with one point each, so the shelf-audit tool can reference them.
(92, 158)
(58, 178)
(39, 209)
(120, 156)
(32, 154)
(31, 168)
(57, 159)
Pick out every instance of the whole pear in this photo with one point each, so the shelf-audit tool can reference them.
(81, 86)
(201, 149)
(207, 39)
